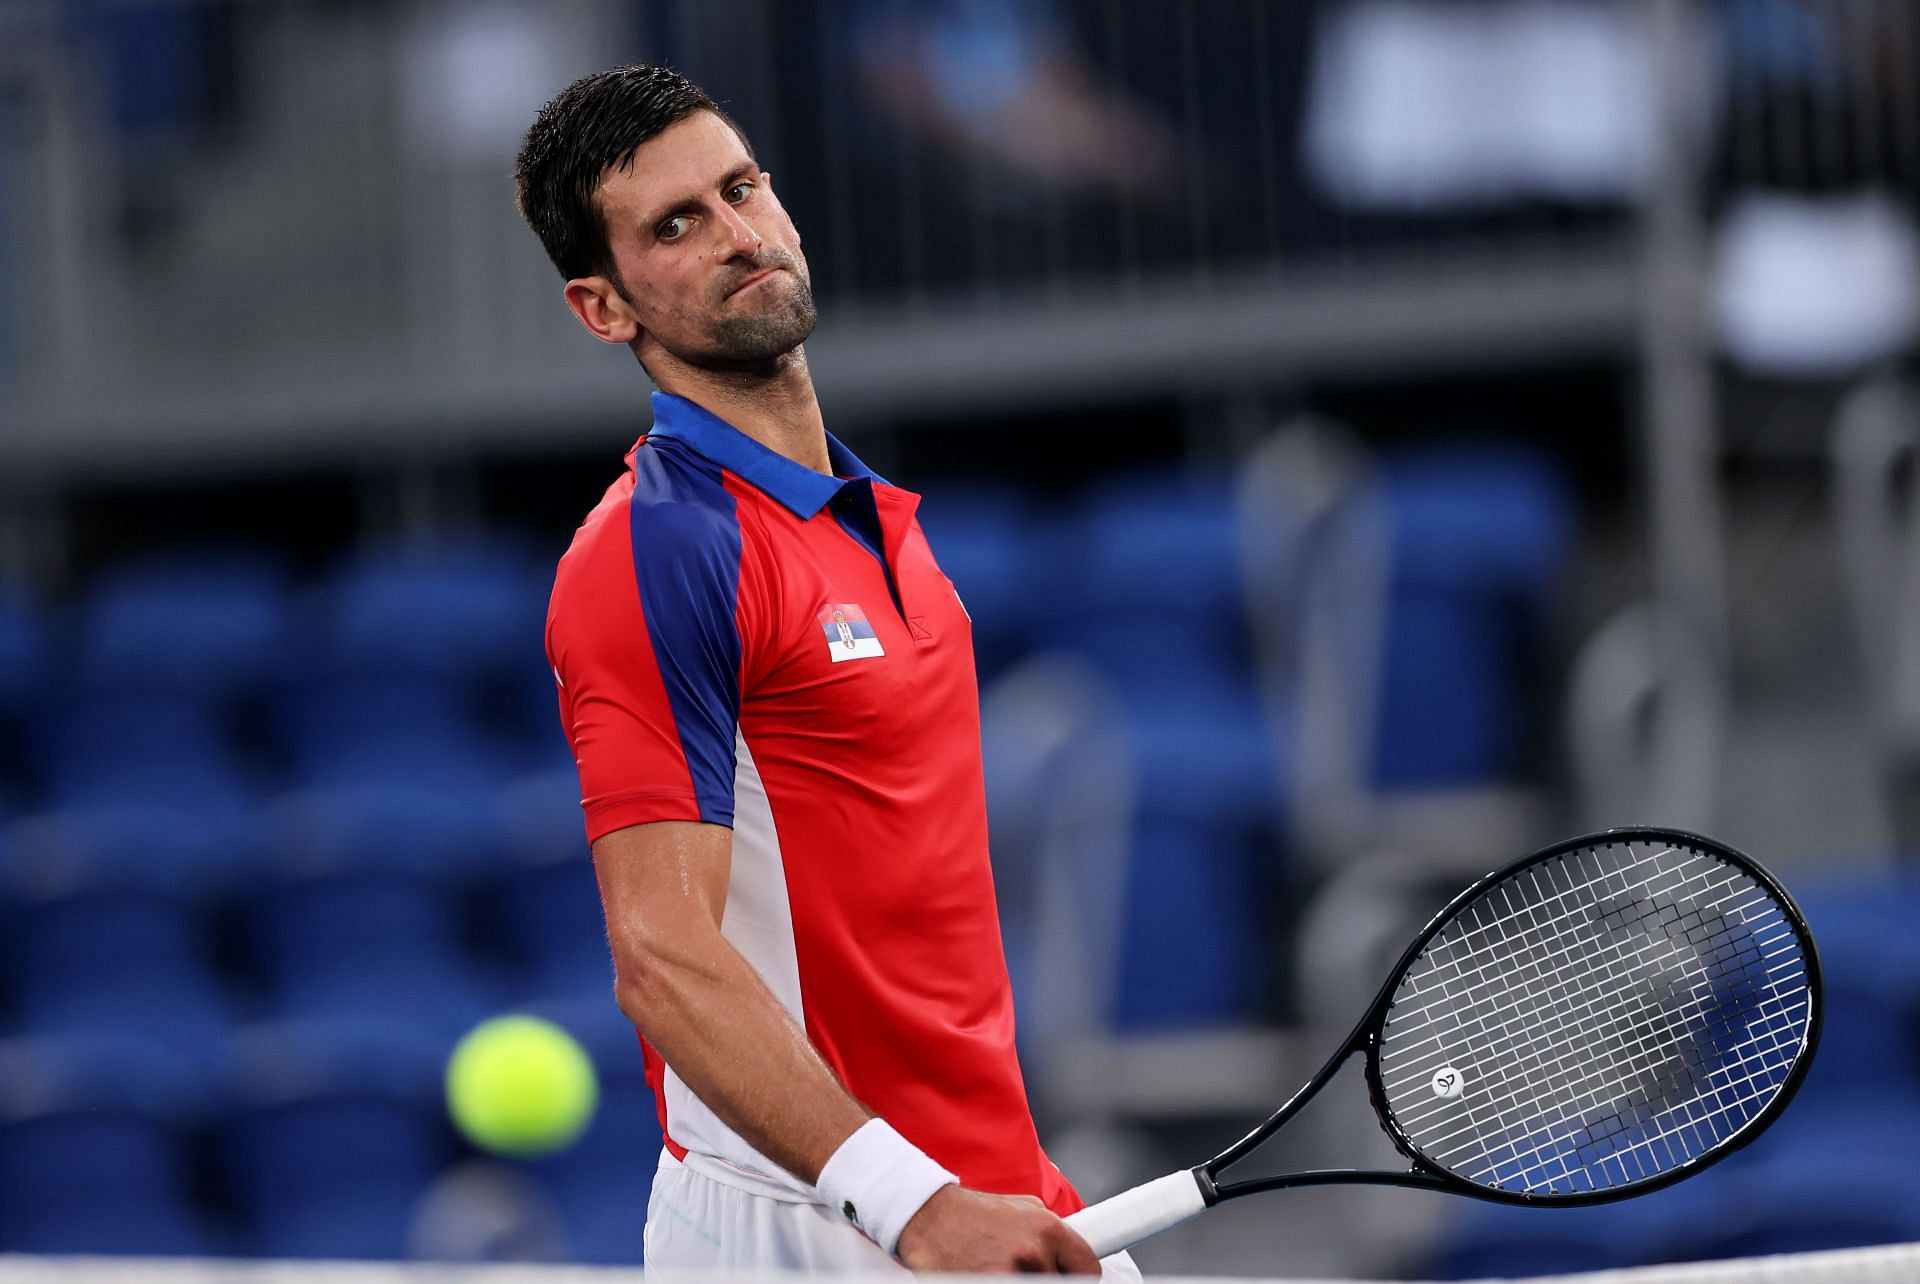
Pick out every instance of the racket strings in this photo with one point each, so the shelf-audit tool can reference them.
(1501, 952)
(1645, 1075)
(1601, 966)
(1645, 1057)
(1510, 1002)
(1612, 1014)
(1673, 1083)
(1620, 1118)
(1546, 1074)
(1570, 901)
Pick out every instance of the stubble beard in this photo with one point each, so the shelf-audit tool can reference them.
(759, 339)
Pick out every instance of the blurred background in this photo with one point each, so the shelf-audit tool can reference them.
(1374, 438)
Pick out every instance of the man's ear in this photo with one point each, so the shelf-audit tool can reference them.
(607, 316)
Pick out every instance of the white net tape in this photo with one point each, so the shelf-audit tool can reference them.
(1891, 1264)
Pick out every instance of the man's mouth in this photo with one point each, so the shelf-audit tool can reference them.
(751, 281)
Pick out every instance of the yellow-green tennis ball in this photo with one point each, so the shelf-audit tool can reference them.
(518, 1085)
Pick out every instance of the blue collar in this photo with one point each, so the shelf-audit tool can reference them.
(798, 487)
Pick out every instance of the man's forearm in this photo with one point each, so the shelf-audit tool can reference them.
(704, 1008)
(708, 1013)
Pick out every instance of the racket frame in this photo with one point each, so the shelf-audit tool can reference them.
(1425, 1175)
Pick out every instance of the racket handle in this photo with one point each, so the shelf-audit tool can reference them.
(1144, 1211)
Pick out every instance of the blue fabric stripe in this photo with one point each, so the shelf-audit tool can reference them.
(686, 558)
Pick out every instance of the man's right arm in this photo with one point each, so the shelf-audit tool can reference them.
(711, 1017)
(701, 1004)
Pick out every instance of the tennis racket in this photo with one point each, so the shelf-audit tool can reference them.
(1602, 1018)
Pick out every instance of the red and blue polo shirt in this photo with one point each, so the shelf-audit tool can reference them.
(743, 641)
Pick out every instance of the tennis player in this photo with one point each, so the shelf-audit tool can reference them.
(769, 689)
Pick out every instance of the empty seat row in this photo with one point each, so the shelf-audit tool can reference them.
(214, 620)
(317, 1154)
(382, 954)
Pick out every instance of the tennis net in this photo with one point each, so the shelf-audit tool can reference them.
(1891, 1264)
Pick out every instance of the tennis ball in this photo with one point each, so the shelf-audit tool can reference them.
(518, 1085)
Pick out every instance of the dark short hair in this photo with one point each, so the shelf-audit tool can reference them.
(593, 125)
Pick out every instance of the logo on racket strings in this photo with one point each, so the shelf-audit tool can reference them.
(1447, 1082)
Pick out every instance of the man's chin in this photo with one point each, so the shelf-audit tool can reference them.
(750, 351)
(765, 337)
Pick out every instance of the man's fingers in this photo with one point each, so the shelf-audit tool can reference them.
(1074, 1254)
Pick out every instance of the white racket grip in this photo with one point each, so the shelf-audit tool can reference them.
(1137, 1214)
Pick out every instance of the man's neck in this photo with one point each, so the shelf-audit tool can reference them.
(776, 407)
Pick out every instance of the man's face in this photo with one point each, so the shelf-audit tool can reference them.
(710, 261)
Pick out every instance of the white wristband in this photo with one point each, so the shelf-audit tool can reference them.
(878, 1180)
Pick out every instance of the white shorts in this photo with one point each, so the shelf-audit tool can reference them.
(695, 1223)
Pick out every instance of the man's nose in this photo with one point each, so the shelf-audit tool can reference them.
(741, 238)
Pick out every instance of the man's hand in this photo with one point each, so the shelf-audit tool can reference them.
(969, 1230)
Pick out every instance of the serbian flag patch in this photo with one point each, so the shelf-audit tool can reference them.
(849, 636)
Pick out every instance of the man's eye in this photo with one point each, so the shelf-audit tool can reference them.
(742, 188)
(672, 229)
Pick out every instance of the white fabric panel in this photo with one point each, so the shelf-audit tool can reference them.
(757, 921)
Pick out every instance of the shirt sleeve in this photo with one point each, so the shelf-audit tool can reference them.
(644, 641)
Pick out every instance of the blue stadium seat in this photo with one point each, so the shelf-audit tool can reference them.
(24, 652)
(333, 1172)
(1158, 546)
(459, 612)
(546, 898)
(1870, 962)
(602, 1029)
(125, 963)
(146, 790)
(1150, 592)
(1477, 516)
(982, 537)
(1496, 1240)
(539, 816)
(552, 920)
(185, 848)
(207, 623)
(395, 727)
(370, 943)
(98, 1180)
(366, 1050)
(1805, 1203)
(401, 825)
(1820, 1130)
(535, 698)
(117, 1069)
(1205, 745)
(1200, 896)
(601, 1182)
(110, 747)
(1476, 535)
(1209, 800)
(391, 774)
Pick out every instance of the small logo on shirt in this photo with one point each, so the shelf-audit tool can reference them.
(849, 636)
